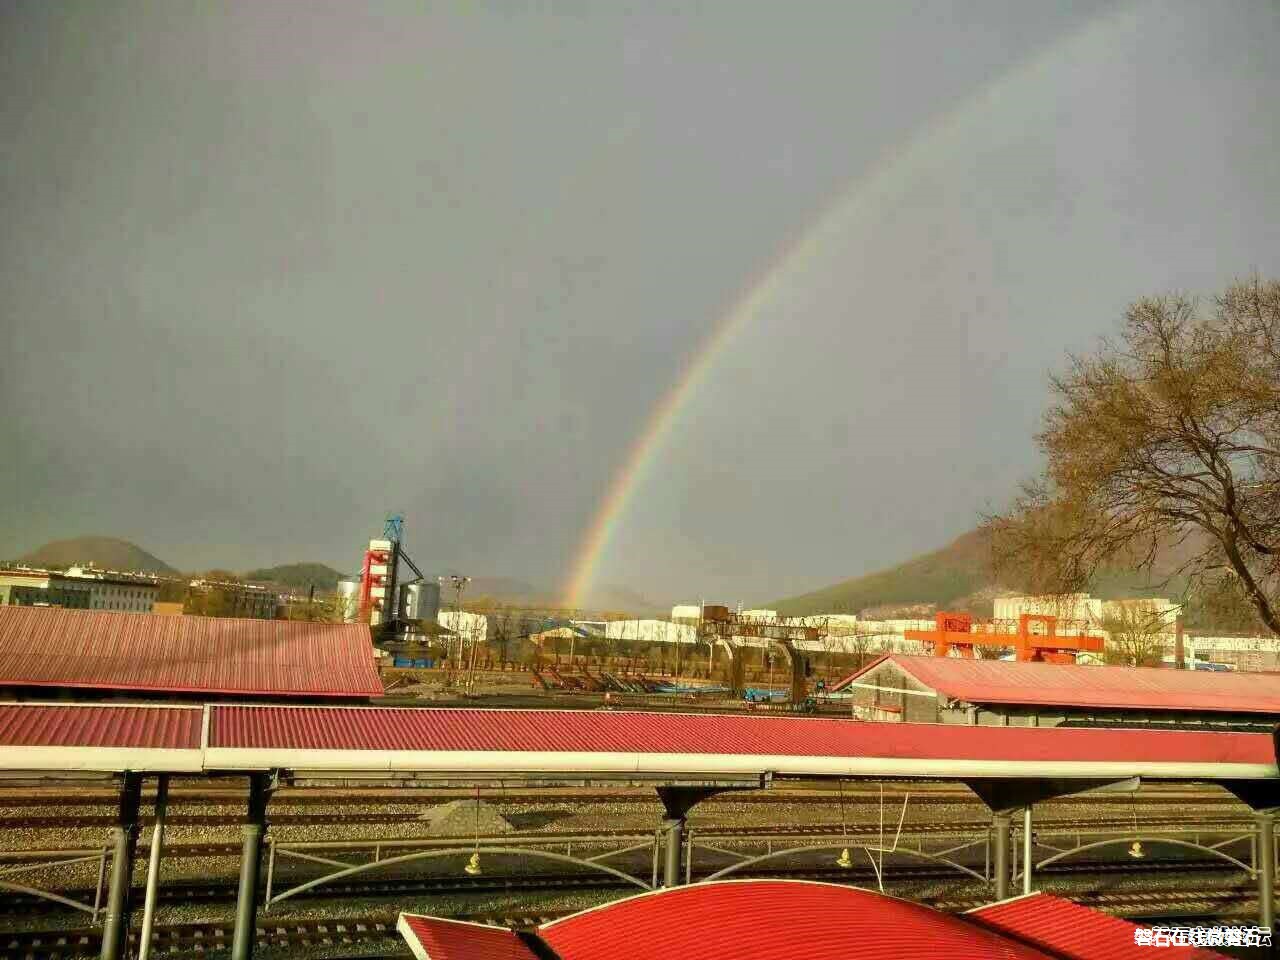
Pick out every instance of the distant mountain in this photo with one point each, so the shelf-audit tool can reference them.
(108, 553)
(513, 592)
(610, 597)
(958, 577)
(297, 576)
(501, 589)
(961, 568)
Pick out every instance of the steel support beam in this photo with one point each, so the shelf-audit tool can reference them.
(672, 846)
(678, 800)
(1000, 853)
(124, 845)
(1015, 794)
(153, 869)
(1028, 860)
(254, 828)
(1266, 868)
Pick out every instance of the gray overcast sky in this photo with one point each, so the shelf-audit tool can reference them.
(269, 270)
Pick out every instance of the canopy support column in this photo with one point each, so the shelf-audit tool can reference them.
(124, 846)
(153, 869)
(1265, 820)
(1028, 861)
(250, 868)
(1000, 822)
(678, 800)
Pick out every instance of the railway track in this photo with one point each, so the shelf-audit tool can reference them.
(206, 820)
(387, 817)
(454, 883)
(198, 939)
(1055, 825)
(831, 831)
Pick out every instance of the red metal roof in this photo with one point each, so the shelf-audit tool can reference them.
(424, 729)
(1073, 932)
(45, 725)
(432, 938)
(799, 920)
(765, 920)
(1056, 684)
(52, 647)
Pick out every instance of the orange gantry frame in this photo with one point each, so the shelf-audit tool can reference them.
(954, 631)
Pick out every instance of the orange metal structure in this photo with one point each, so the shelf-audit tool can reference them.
(954, 631)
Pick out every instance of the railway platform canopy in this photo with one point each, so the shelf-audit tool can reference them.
(957, 690)
(477, 743)
(757, 919)
(687, 758)
(93, 653)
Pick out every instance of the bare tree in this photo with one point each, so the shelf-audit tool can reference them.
(1163, 454)
(1137, 632)
(866, 642)
(331, 609)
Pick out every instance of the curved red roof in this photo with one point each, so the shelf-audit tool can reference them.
(767, 919)
(52, 647)
(1074, 932)
(1073, 685)
(796, 920)
(756, 920)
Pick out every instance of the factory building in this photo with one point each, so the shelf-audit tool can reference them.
(1081, 609)
(79, 588)
(244, 600)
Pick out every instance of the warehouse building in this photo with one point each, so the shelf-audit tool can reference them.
(1008, 693)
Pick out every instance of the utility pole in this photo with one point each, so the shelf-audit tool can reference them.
(459, 584)
(711, 647)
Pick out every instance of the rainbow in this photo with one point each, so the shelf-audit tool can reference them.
(889, 172)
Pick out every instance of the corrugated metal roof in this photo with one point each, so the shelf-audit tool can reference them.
(799, 920)
(70, 725)
(48, 646)
(1073, 932)
(1055, 684)
(424, 728)
(759, 919)
(433, 938)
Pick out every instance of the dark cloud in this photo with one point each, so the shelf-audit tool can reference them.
(266, 275)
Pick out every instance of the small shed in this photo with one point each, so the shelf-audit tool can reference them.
(1008, 693)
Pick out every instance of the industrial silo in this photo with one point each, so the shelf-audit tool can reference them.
(420, 601)
(348, 593)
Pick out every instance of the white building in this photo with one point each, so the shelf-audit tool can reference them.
(1081, 611)
(1160, 613)
(1251, 654)
(651, 631)
(1074, 607)
(471, 627)
(80, 589)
